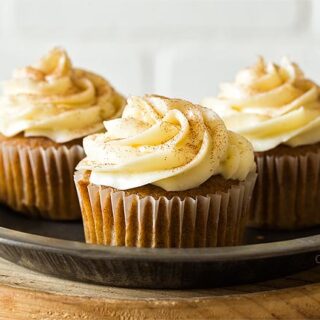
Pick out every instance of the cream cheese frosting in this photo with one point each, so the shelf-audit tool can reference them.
(270, 105)
(170, 143)
(52, 99)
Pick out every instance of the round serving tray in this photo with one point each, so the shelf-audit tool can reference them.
(57, 248)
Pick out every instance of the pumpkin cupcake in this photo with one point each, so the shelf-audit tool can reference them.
(278, 110)
(45, 110)
(166, 174)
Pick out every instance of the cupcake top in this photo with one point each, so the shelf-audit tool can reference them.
(270, 105)
(54, 100)
(169, 143)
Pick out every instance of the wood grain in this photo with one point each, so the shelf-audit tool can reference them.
(28, 295)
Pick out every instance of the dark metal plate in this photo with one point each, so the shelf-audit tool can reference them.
(57, 248)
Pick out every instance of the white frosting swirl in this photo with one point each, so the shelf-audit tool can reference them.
(170, 143)
(270, 105)
(54, 100)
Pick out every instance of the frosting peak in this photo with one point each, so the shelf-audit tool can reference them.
(55, 100)
(270, 104)
(170, 143)
(55, 64)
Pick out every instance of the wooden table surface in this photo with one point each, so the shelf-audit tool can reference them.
(29, 295)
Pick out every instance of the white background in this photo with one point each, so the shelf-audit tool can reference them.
(178, 48)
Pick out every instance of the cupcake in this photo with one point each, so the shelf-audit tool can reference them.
(166, 174)
(278, 110)
(45, 110)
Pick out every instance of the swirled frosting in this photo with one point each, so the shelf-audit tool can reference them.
(170, 143)
(55, 100)
(270, 105)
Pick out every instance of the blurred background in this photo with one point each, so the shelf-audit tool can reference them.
(178, 48)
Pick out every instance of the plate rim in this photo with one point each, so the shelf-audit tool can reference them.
(79, 249)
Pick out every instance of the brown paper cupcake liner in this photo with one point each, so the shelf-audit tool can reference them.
(39, 182)
(113, 218)
(287, 192)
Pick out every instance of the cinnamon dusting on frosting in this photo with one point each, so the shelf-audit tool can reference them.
(270, 105)
(55, 100)
(170, 143)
